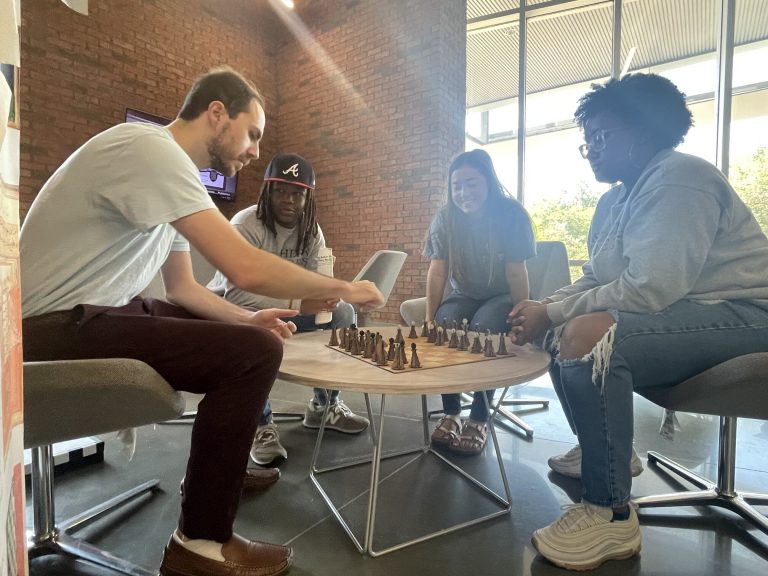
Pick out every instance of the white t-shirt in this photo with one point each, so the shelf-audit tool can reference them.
(99, 230)
(282, 244)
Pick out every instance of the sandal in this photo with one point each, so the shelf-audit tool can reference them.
(472, 439)
(446, 432)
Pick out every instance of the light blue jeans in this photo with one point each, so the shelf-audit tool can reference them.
(343, 317)
(647, 350)
(488, 314)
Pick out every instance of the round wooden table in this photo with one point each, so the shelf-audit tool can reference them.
(309, 361)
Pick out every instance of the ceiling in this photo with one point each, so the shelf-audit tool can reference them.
(569, 41)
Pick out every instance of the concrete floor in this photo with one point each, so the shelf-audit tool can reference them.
(676, 541)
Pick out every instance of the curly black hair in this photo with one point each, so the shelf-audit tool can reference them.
(647, 100)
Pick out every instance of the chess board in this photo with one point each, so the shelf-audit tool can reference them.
(430, 355)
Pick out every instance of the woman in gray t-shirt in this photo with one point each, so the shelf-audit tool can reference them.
(479, 242)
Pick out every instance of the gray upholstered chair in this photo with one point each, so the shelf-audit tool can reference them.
(547, 272)
(69, 399)
(731, 390)
(382, 269)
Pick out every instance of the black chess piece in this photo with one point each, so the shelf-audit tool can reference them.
(391, 350)
(397, 362)
(401, 351)
(432, 336)
(399, 336)
(454, 340)
(381, 355)
(354, 348)
(351, 337)
(414, 357)
(502, 351)
(477, 347)
(425, 329)
(369, 345)
(334, 338)
(440, 339)
(488, 351)
(412, 333)
(463, 342)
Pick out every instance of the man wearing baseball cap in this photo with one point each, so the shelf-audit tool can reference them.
(284, 222)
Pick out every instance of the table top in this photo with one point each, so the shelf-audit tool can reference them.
(308, 360)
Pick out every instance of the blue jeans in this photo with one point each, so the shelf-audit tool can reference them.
(343, 317)
(490, 315)
(648, 350)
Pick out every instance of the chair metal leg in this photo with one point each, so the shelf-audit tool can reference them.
(49, 538)
(721, 493)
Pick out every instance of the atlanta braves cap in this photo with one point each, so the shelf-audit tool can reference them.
(291, 168)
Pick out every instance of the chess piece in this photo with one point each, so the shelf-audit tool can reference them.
(439, 340)
(424, 329)
(354, 348)
(477, 348)
(391, 350)
(502, 351)
(465, 325)
(351, 337)
(397, 363)
(488, 351)
(454, 341)
(401, 351)
(463, 342)
(399, 336)
(381, 356)
(432, 336)
(334, 338)
(414, 357)
(412, 333)
(343, 339)
(369, 345)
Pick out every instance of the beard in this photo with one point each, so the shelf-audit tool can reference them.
(218, 151)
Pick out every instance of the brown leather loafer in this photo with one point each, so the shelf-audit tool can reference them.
(260, 478)
(241, 558)
(255, 479)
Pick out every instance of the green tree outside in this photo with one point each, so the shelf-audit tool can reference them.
(750, 180)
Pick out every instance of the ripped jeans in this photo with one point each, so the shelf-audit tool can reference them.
(644, 350)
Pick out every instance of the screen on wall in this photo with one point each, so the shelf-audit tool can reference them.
(218, 185)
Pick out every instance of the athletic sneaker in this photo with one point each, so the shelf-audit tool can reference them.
(340, 418)
(586, 536)
(266, 447)
(569, 464)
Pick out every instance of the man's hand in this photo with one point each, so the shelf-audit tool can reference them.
(529, 321)
(315, 306)
(270, 318)
(365, 294)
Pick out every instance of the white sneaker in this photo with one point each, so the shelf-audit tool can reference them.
(266, 447)
(586, 536)
(569, 464)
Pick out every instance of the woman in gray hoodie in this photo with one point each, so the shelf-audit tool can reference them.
(676, 283)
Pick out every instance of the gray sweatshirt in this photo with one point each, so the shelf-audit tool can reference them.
(681, 232)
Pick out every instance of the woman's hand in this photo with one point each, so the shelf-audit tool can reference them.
(529, 320)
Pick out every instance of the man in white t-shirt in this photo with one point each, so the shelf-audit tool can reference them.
(126, 205)
(284, 222)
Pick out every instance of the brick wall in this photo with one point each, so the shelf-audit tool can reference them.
(374, 97)
(80, 73)
(371, 91)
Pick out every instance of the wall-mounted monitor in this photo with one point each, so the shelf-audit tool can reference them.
(218, 185)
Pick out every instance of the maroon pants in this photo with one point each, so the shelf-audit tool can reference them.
(233, 365)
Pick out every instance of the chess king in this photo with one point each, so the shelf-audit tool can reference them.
(284, 222)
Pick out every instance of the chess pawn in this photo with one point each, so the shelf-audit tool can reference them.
(439, 340)
(463, 342)
(354, 348)
(488, 352)
(414, 357)
(412, 333)
(363, 340)
(401, 351)
(425, 329)
(454, 341)
(391, 350)
(351, 339)
(477, 348)
(397, 363)
(381, 356)
(334, 338)
(502, 351)
(369, 346)
(399, 336)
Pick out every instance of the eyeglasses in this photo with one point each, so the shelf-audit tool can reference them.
(597, 141)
